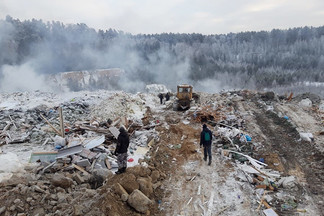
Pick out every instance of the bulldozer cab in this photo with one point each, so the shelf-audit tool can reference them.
(184, 92)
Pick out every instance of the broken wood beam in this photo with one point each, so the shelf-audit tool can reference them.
(61, 121)
(56, 131)
(80, 168)
(108, 164)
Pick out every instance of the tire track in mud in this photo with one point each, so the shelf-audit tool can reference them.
(295, 155)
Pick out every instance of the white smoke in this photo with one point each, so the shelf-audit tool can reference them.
(21, 78)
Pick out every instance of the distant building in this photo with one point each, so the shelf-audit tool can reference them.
(87, 80)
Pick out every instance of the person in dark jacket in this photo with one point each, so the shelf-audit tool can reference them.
(206, 140)
(161, 98)
(167, 96)
(121, 150)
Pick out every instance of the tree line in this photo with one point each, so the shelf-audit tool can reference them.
(261, 59)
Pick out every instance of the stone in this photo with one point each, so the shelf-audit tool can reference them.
(155, 175)
(104, 173)
(20, 209)
(78, 210)
(38, 189)
(287, 182)
(78, 178)
(29, 199)
(145, 185)
(120, 191)
(39, 212)
(140, 171)
(124, 197)
(2, 209)
(59, 180)
(17, 201)
(306, 103)
(139, 201)
(129, 183)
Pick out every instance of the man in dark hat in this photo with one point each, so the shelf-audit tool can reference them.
(121, 150)
(206, 140)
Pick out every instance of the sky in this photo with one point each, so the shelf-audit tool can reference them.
(176, 16)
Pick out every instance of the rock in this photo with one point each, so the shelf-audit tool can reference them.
(120, 191)
(140, 171)
(287, 182)
(2, 209)
(124, 197)
(129, 183)
(59, 180)
(104, 173)
(61, 197)
(20, 209)
(306, 137)
(38, 189)
(321, 107)
(78, 178)
(139, 201)
(145, 185)
(306, 103)
(78, 210)
(29, 199)
(155, 175)
(17, 201)
(98, 177)
(156, 185)
(39, 212)
(12, 208)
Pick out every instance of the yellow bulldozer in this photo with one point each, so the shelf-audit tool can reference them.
(184, 97)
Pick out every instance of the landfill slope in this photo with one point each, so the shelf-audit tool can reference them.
(262, 155)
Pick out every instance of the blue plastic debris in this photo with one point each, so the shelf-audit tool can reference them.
(248, 138)
(58, 147)
(286, 117)
(261, 160)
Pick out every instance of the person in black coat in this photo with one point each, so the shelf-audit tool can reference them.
(121, 150)
(161, 97)
(206, 140)
(167, 96)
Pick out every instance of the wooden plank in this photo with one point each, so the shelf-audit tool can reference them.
(80, 168)
(261, 186)
(262, 198)
(56, 131)
(108, 164)
(61, 121)
(92, 165)
(266, 204)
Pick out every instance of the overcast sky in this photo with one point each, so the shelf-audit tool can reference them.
(177, 16)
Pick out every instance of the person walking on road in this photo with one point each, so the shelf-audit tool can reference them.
(121, 150)
(206, 140)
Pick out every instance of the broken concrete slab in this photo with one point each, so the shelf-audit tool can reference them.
(43, 157)
(94, 142)
(86, 153)
(83, 163)
(114, 131)
(139, 201)
(69, 151)
(270, 212)
(306, 137)
(59, 180)
(79, 179)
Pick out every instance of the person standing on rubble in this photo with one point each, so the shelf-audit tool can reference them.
(161, 98)
(206, 140)
(167, 96)
(121, 150)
